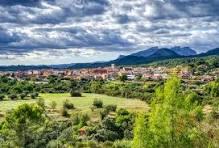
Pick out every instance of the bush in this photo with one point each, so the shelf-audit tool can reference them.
(107, 110)
(22, 96)
(13, 97)
(98, 103)
(75, 94)
(34, 95)
(103, 114)
(111, 108)
(53, 105)
(68, 105)
(83, 120)
(41, 103)
(65, 113)
(2, 97)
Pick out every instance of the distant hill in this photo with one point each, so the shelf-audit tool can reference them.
(23, 68)
(212, 60)
(210, 52)
(150, 55)
(133, 59)
(181, 51)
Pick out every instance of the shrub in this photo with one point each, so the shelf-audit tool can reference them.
(53, 105)
(107, 110)
(41, 103)
(2, 97)
(111, 108)
(83, 120)
(34, 95)
(65, 113)
(13, 97)
(75, 94)
(98, 103)
(68, 105)
(123, 112)
(104, 113)
(22, 96)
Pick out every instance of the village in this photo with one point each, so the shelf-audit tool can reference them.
(113, 72)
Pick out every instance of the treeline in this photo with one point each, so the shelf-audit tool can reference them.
(16, 89)
(143, 91)
(21, 89)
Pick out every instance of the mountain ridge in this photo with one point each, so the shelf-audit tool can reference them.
(132, 59)
(182, 51)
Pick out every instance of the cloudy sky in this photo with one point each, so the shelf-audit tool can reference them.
(70, 31)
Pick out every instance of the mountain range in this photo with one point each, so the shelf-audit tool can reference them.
(149, 55)
(142, 57)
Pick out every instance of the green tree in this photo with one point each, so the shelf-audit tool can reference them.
(2, 97)
(23, 122)
(172, 121)
(123, 78)
(96, 87)
(13, 96)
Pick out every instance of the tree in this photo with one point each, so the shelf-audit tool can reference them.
(68, 105)
(75, 93)
(98, 103)
(96, 87)
(34, 95)
(12, 97)
(2, 97)
(172, 121)
(74, 85)
(123, 78)
(23, 122)
(22, 96)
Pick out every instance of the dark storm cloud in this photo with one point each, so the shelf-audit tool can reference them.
(67, 38)
(6, 37)
(19, 2)
(55, 11)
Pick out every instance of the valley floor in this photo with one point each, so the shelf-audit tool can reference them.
(82, 104)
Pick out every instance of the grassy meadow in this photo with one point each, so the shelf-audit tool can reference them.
(82, 104)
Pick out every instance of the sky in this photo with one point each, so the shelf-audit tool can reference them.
(76, 31)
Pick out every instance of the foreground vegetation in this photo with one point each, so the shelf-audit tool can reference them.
(57, 114)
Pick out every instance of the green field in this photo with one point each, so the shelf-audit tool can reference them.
(81, 103)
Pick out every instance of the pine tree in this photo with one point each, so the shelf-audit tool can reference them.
(172, 121)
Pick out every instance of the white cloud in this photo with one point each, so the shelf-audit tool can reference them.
(103, 27)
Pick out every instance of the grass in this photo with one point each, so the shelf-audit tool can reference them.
(81, 103)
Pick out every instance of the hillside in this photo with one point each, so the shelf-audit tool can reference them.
(209, 60)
